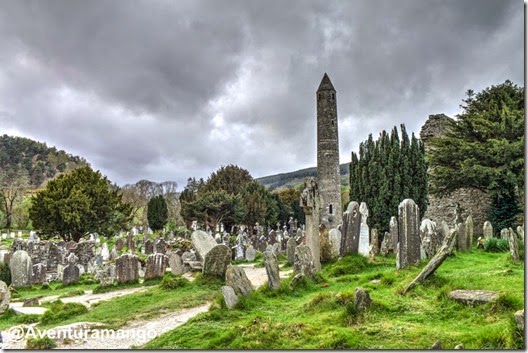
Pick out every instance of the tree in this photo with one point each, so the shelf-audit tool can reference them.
(14, 182)
(77, 203)
(386, 172)
(157, 212)
(484, 149)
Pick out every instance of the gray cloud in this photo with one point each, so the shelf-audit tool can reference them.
(166, 90)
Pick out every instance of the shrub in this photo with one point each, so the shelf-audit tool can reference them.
(60, 311)
(496, 245)
(5, 273)
(170, 281)
(40, 343)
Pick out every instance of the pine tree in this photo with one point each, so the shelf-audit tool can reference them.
(157, 212)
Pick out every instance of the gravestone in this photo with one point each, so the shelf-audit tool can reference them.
(251, 253)
(462, 237)
(272, 237)
(362, 299)
(230, 298)
(334, 238)
(350, 229)
(5, 297)
(239, 252)
(386, 244)
(272, 269)
(393, 228)
(214, 257)
(514, 248)
(520, 232)
(469, 232)
(156, 265)
(276, 248)
(71, 272)
(105, 254)
(290, 250)
(106, 275)
(160, 246)
(428, 238)
(38, 274)
(408, 233)
(119, 244)
(487, 230)
(113, 254)
(21, 269)
(236, 278)
(374, 242)
(127, 268)
(176, 264)
(149, 247)
(310, 201)
(363, 247)
(304, 262)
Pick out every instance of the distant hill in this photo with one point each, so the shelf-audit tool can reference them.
(296, 179)
(41, 162)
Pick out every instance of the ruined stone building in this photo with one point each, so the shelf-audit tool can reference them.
(472, 201)
(328, 179)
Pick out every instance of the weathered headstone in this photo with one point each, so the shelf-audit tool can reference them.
(21, 269)
(38, 273)
(290, 250)
(217, 260)
(409, 234)
(272, 269)
(514, 248)
(230, 298)
(149, 247)
(106, 275)
(487, 230)
(304, 262)
(310, 202)
(469, 232)
(504, 233)
(176, 264)
(239, 252)
(386, 244)
(350, 229)
(5, 297)
(105, 253)
(334, 238)
(236, 278)
(156, 265)
(160, 246)
(393, 228)
(363, 247)
(362, 299)
(251, 253)
(428, 238)
(127, 268)
(272, 237)
(520, 232)
(119, 244)
(71, 272)
(374, 242)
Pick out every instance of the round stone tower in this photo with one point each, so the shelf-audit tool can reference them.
(328, 179)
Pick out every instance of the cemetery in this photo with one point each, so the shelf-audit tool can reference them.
(334, 281)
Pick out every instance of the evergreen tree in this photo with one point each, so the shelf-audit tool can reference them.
(157, 212)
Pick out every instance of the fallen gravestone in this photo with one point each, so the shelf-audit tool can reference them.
(473, 296)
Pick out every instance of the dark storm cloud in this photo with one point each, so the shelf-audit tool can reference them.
(166, 90)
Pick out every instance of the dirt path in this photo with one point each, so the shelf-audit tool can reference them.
(137, 332)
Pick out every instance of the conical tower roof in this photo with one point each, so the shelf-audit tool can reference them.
(326, 84)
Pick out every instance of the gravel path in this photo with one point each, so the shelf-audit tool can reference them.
(137, 332)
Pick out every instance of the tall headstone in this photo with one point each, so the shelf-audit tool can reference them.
(462, 241)
(514, 248)
(429, 238)
(21, 269)
(334, 238)
(310, 202)
(374, 242)
(487, 230)
(290, 250)
(328, 178)
(363, 248)
(350, 229)
(393, 227)
(469, 232)
(127, 268)
(272, 269)
(409, 233)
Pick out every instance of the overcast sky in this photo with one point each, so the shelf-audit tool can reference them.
(164, 90)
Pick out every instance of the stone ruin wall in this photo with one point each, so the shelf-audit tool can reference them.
(472, 201)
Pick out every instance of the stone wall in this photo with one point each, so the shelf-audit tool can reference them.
(472, 201)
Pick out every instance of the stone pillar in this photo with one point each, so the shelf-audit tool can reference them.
(469, 232)
(409, 236)
(310, 203)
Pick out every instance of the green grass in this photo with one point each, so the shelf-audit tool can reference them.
(10, 318)
(320, 314)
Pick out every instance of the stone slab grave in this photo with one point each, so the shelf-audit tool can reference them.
(214, 257)
(473, 296)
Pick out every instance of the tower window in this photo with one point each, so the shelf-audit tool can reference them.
(333, 95)
(330, 209)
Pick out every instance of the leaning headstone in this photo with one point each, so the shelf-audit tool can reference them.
(409, 235)
(334, 238)
(71, 272)
(350, 230)
(188, 256)
(156, 265)
(290, 250)
(251, 253)
(386, 244)
(487, 230)
(127, 268)
(310, 202)
(237, 279)
(38, 274)
(393, 227)
(21, 269)
(363, 247)
(514, 249)
(176, 264)
(5, 297)
(202, 243)
(272, 269)
(217, 260)
(303, 262)
(230, 298)
(469, 232)
(362, 299)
